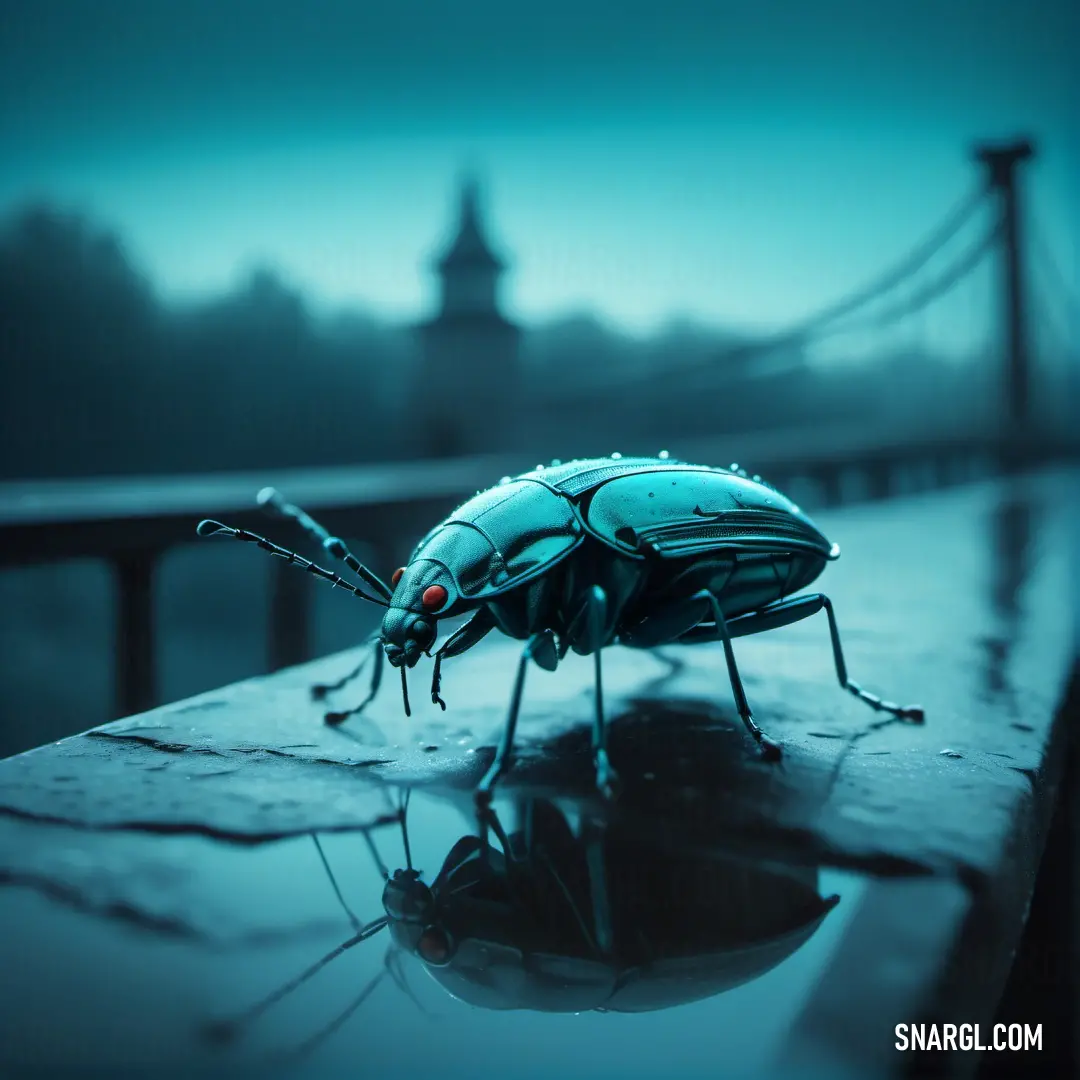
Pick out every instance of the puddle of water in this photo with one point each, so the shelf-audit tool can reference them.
(703, 963)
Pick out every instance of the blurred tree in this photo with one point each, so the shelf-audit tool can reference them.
(99, 377)
(80, 334)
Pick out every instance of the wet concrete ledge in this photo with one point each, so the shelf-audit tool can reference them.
(962, 601)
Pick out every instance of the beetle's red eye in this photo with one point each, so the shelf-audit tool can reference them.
(396, 576)
(434, 597)
(434, 946)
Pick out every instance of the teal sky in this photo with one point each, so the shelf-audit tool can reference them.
(741, 164)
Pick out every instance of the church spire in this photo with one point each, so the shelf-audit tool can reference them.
(469, 269)
(470, 247)
(469, 371)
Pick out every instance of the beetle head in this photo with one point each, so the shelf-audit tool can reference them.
(407, 899)
(410, 906)
(423, 593)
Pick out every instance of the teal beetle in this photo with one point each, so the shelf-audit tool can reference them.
(576, 556)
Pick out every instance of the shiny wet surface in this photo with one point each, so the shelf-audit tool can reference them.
(161, 879)
(747, 941)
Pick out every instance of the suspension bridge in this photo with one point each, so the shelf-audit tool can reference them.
(972, 335)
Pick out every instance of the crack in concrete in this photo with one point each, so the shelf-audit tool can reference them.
(156, 744)
(268, 751)
(237, 838)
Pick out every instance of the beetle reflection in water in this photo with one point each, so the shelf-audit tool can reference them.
(566, 921)
(581, 555)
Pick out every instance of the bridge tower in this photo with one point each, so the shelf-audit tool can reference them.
(1001, 163)
(464, 398)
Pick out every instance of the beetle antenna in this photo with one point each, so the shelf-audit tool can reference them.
(215, 528)
(227, 1030)
(404, 690)
(273, 500)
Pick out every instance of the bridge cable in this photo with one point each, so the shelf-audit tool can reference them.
(1055, 279)
(798, 334)
(930, 292)
(900, 272)
(886, 283)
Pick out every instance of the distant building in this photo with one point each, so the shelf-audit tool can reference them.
(469, 364)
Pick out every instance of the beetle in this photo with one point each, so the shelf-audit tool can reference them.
(594, 919)
(577, 556)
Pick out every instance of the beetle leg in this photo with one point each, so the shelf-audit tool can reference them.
(461, 640)
(598, 887)
(607, 779)
(356, 924)
(596, 620)
(436, 682)
(769, 748)
(785, 612)
(226, 1030)
(588, 633)
(685, 621)
(540, 645)
(319, 692)
(393, 964)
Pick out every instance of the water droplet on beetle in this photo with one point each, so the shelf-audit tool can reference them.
(556, 461)
(652, 494)
(616, 456)
(733, 467)
(505, 480)
(663, 455)
(756, 478)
